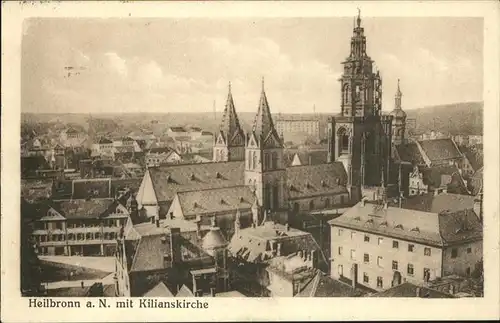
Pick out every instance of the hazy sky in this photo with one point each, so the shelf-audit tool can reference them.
(166, 65)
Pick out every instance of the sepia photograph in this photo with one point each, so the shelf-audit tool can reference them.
(165, 159)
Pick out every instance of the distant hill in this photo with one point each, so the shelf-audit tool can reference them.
(458, 118)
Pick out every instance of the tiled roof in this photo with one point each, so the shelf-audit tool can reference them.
(312, 180)
(252, 244)
(474, 156)
(160, 150)
(169, 179)
(410, 290)
(424, 227)
(160, 290)
(97, 188)
(81, 208)
(460, 226)
(314, 157)
(438, 203)
(209, 201)
(410, 153)
(440, 149)
(34, 190)
(445, 176)
(130, 183)
(150, 253)
(324, 286)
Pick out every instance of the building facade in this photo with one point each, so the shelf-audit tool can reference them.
(381, 246)
(80, 227)
(290, 126)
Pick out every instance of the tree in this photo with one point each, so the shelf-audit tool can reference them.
(30, 264)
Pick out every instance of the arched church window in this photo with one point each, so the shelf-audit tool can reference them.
(343, 140)
(275, 160)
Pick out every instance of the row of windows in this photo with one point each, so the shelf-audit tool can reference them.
(76, 237)
(380, 241)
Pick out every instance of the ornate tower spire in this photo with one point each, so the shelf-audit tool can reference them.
(263, 123)
(230, 141)
(230, 124)
(399, 122)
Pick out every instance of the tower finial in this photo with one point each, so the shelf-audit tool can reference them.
(229, 86)
(359, 17)
(263, 84)
(398, 85)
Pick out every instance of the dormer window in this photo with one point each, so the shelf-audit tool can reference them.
(193, 177)
(357, 218)
(370, 221)
(195, 205)
(218, 175)
(323, 184)
(242, 200)
(383, 224)
(308, 185)
(222, 201)
(416, 229)
(399, 226)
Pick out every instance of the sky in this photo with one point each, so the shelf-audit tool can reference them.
(184, 65)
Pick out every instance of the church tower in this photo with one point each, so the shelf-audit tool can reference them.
(265, 170)
(399, 121)
(360, 136)
(229, 144)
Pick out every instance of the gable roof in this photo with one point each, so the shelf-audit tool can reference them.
(438, 203)
(445, 176)
(314, 157)
(184, 291)
(95, 187)
(410, 290)
(313, 180)
(410, 153)
(80, 208)
(169, 179)
(252, 244)
(474, 156)
(324, 286)
(423, 227)
(150, 253)
(440, 149)
(160, 290)
(209, 201)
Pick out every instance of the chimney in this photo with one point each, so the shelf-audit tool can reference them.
(170, 215)
(354, 275)
(175, 245)
(417, 292)
(287, 227)
(278, 250)
(304, 255)
(363, 202)
(213, 222)
(212, 292)
(157, 220)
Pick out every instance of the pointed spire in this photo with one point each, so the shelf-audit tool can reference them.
(263, 123)
(230, 123)
(398, 92)
(359, 18)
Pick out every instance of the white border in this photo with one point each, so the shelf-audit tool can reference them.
(14, 308)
